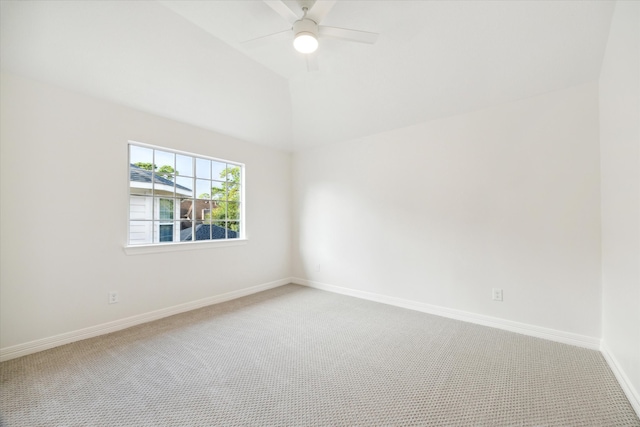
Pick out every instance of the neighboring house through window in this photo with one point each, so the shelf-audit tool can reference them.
(182, 197)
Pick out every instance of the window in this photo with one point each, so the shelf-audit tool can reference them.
(183, 197)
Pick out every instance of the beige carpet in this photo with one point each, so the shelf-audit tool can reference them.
(294, 356)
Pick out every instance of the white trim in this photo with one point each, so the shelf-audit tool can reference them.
(592, 343)
(46, 343)
(185, 246)
(632, 394)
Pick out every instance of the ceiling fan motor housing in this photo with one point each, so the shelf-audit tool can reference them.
(305, 26)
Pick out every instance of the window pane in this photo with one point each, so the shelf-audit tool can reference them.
(218, 190)
(233, 192)
(204, 210)
(184, 186)
(203, 168)
(233, 210)
(186, 209)
(165, 233)
(233, 230)
(229, 210)
(159, 231)
(217, 211)
(184, 165)
(203, 189)
(207, 210)
(218, 231)
(202, 231)
(165, 167)
(140, 155)
(139, 188)
(162, 186)
(139, 180)
(140, 232)
(165, 175)
(221, 210)
(186, 231)
(166, 160)
(218, 170)
(140, 207)
(165, 209)
(207, 216)
(233, 173)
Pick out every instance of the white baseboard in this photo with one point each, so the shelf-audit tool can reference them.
(105, 328)
(632, 394)
(584, 341)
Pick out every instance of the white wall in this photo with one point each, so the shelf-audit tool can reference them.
(64, 203)
(442, 212)
(620, 166)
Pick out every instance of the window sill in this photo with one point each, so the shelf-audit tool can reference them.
(174, 247)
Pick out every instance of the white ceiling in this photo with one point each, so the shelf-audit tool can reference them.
(185, 60)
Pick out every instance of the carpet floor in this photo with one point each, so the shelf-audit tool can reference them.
(295, 356)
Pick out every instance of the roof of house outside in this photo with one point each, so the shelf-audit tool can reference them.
(137, 174)
(203, 230)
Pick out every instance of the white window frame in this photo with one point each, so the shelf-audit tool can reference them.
(132, 249)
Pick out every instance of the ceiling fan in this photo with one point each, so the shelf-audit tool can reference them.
(306, 29)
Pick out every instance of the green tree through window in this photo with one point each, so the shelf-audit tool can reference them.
(226, 199)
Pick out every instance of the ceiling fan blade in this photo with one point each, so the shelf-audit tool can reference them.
(349, 35)
(281, 9)
(280, 35)
(312, 62)
(320, 9)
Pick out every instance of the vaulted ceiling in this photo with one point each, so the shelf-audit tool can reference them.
(185, 60)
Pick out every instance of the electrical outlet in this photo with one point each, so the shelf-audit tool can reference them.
(113, 297)
(497, 294)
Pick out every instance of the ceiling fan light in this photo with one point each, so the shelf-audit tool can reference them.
(305, 42)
